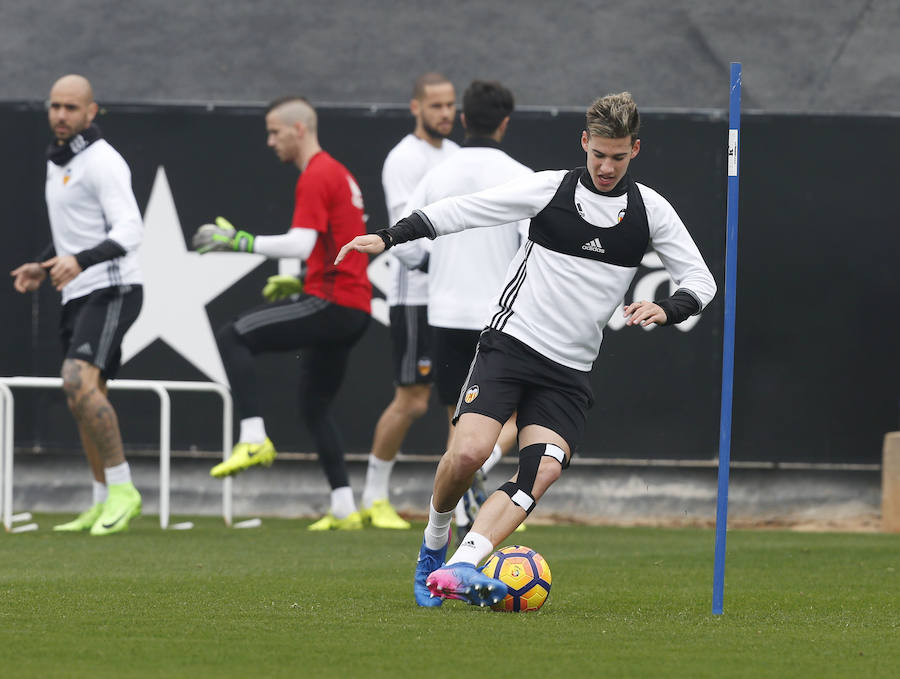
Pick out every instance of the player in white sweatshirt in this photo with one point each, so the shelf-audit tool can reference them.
(92, 261)
(590, 228)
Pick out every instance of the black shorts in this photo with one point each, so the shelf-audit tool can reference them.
(509, 376)
(309, 321)
(453, 351)
(91, 328)
(411, 345)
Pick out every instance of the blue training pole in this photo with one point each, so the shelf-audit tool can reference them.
(731, 243)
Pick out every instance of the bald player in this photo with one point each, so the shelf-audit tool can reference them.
(324, 321)
(92, 261)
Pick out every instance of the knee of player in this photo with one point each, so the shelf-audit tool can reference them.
(548, 473)
(73, 379)
(468, 456)
(413, 401)
(540, 465)
(417, 408)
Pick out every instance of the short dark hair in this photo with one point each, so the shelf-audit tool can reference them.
(426, 79)
(485, 104)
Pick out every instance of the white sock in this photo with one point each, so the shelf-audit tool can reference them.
(252, 430)
(491, 462)
(121, 473)
(462, 519)
(437, 532)
(473, 550)
(99, 492)
(378, 476)
(342, 504)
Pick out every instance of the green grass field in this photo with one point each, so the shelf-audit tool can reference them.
(278, 601)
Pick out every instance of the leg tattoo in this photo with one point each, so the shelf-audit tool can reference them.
(92, 410)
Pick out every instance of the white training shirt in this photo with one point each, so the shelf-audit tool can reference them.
(558, 304)
(466, 269)
(404, 166)
(88, 201)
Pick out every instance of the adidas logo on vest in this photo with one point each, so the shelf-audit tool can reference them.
(594, 246)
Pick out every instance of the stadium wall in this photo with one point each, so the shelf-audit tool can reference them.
(817, 368)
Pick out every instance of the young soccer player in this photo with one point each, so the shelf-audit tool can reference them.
(589, 230)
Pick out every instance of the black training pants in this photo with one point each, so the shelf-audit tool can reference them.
(324, 333)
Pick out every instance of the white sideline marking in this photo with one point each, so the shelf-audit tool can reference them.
(249, 523)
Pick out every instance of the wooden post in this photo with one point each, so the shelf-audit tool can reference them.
(890, 483)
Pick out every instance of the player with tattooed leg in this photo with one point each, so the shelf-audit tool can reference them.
(97, 229)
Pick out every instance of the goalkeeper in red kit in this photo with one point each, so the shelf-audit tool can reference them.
(325, 320)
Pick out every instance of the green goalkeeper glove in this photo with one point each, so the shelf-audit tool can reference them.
(280, 287)
(222, 237)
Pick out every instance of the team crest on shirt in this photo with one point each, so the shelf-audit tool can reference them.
(471, 393)
(67, 176)
(621, 214)
(424, 366)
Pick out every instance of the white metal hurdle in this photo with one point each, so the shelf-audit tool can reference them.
(161, 388)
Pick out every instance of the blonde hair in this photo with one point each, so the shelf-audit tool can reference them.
(613, 116)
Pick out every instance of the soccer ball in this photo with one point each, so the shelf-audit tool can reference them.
(525, 573)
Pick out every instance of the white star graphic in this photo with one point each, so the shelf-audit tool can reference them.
(379, 273)
(178, 284)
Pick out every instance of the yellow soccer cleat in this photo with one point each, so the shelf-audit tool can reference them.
(245, 455)
(331, 522)
(382, 515)
(122, 505)
(83, 521)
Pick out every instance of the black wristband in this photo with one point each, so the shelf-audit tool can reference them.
(679, 307)
(410, 228)
(386, 237)
(103, 252)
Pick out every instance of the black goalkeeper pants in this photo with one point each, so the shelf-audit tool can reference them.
(324, 333)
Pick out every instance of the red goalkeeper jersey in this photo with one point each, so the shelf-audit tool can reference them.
(328, 199)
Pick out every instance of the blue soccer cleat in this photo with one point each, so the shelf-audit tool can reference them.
(465, 582)
(429, 560)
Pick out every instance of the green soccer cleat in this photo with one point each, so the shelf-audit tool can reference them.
(382, 515)
(331, 522)
(83, 521)
(245, 455)
(122, 505)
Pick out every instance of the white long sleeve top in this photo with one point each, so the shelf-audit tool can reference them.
(404, 167)
(557, 300)
(466, 269)
(89, 200)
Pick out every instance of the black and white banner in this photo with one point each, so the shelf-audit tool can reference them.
(817, 376)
